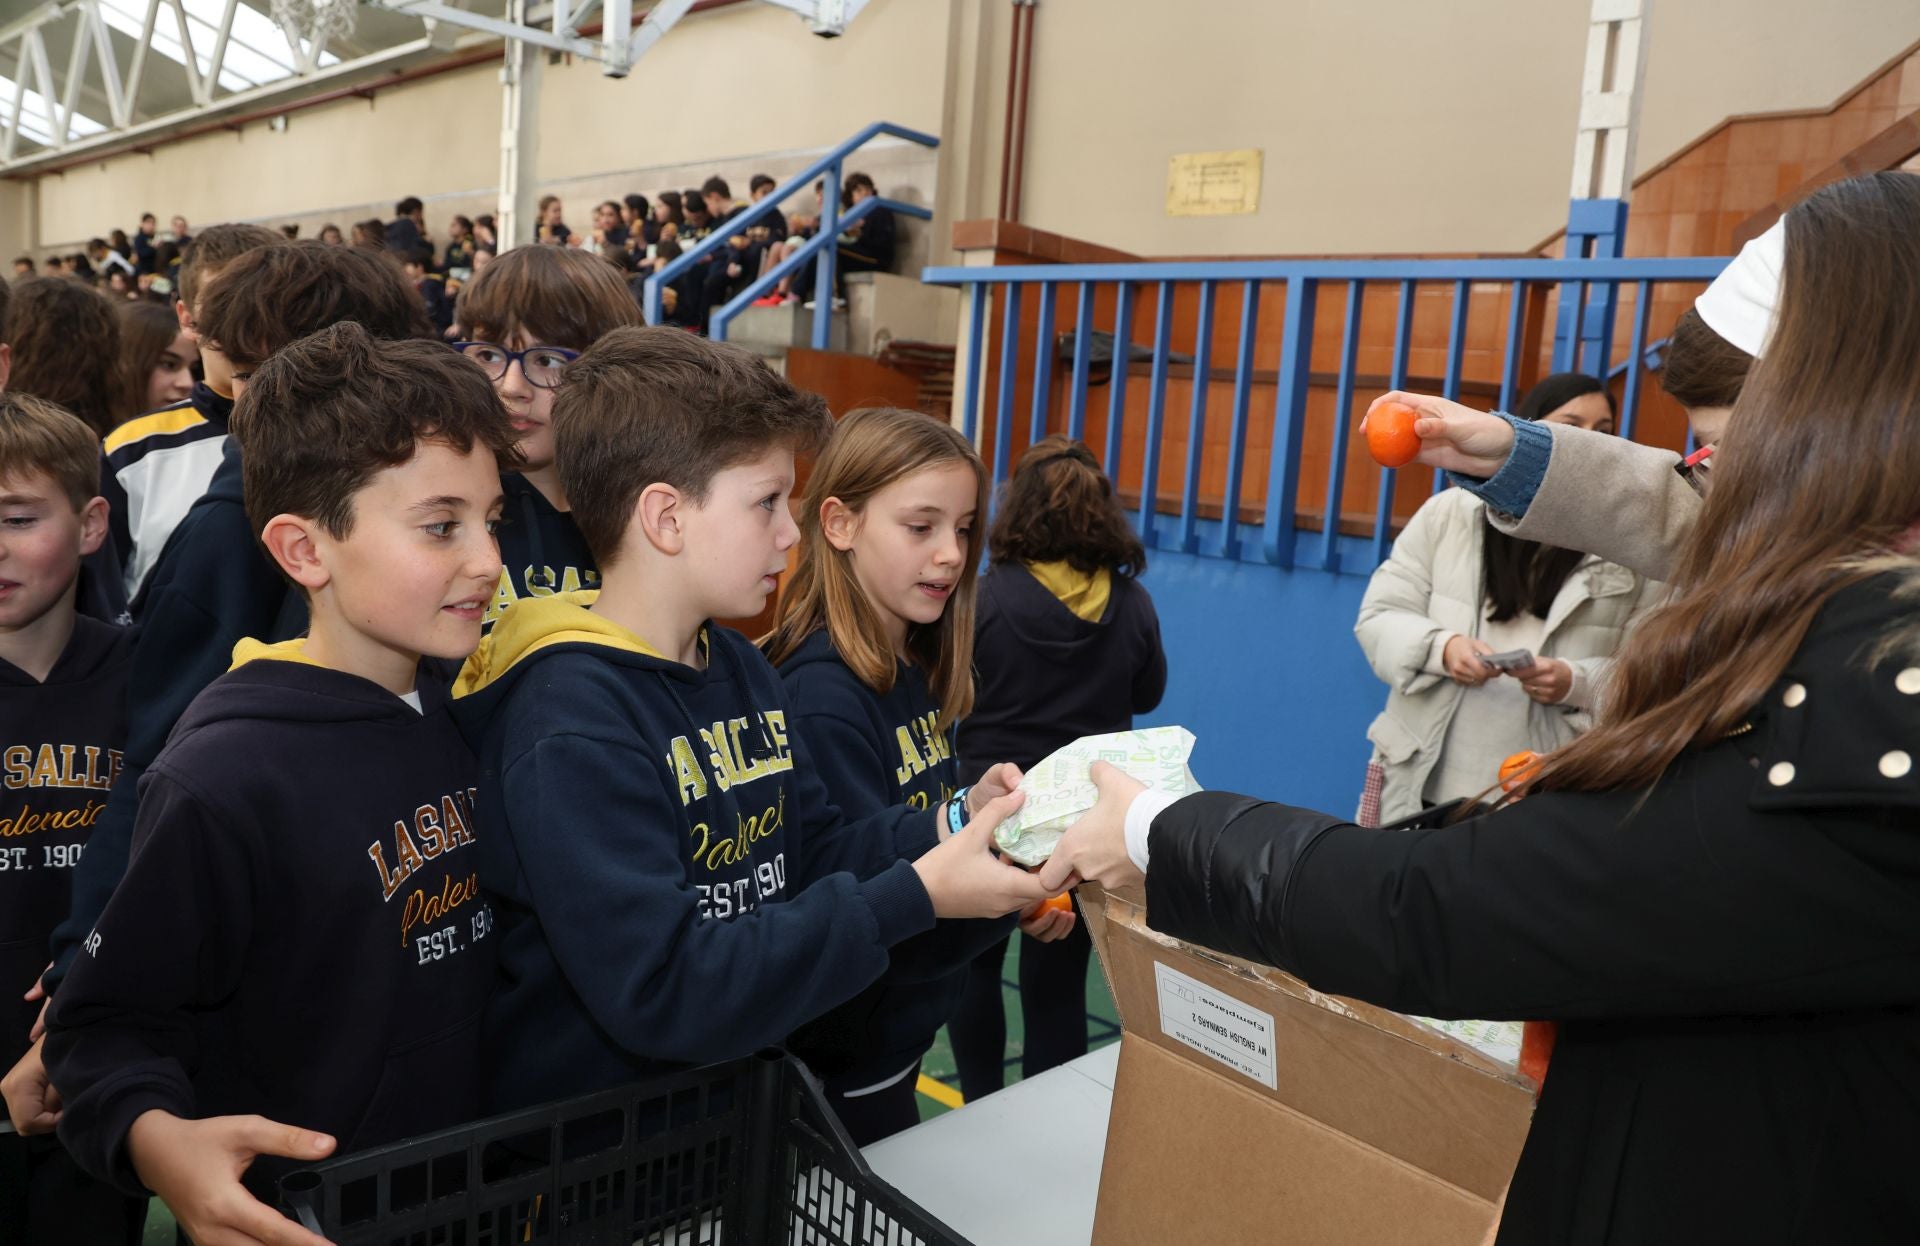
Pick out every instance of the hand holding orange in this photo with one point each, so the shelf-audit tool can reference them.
(1390, 436)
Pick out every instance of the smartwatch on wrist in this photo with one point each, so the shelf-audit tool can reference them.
(957, 810)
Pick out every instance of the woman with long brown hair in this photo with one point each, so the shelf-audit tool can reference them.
(1456, 591)
(1716, 892)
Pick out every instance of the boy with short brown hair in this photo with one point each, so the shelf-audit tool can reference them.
(673, 884)
(63, 722)
(301, 936)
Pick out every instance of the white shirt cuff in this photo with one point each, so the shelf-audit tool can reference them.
(1147, 806)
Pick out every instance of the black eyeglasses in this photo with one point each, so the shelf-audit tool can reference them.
(541, 364)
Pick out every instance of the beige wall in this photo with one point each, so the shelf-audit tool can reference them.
(17, 234)
(442, 132)
(1712, 59)
(1387, 127)
(733, 91)
(1410, 126)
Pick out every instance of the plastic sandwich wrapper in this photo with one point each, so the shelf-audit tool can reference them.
(1060, 789)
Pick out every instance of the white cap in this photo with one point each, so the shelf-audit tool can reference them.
(1740, 303)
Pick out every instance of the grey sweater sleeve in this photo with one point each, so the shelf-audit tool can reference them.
(1608, 496)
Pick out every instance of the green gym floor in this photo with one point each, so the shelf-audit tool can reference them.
(939, 1086)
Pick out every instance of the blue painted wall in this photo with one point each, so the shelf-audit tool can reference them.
(1264, 670)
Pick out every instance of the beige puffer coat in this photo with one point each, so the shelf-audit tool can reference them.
(1432, 588)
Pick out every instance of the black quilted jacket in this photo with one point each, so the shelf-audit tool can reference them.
(1734, 956)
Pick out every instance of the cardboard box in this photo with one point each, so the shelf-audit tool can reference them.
(1250, 1108)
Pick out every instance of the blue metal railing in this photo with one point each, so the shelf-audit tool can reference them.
(829, 168)
(1276, 535)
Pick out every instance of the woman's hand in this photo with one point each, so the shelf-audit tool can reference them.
(1547, 681)
(1095, 847)
(1461, 657)
(1454, 438)
(995, 783)
(195, 1168)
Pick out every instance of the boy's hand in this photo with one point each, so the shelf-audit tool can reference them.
(1095, 847)
(1452, 437)
(195, 1168)
(1046, 923)
(995, 783)
(32, 1103)
(964, 879)
(38, 991)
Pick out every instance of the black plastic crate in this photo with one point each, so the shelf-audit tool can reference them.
(739, 1154)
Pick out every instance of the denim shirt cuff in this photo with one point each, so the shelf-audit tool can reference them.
(1511, 489)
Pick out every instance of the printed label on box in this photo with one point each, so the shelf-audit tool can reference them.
(1220, 1026)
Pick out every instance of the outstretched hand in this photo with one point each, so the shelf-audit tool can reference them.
(1095, 847)
(1046, 923)
(964, 879)
(1453, 437)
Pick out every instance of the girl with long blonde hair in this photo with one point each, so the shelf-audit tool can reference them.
(874, 639)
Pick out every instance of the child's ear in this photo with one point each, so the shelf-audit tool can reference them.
(6, 363)
(660, 512)
(839, 523)
(290, 541)
(93, 521)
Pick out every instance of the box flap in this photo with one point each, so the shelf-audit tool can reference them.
(1379, 1077)
(1193, 1158)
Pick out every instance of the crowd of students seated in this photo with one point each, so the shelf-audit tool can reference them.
(638, 236)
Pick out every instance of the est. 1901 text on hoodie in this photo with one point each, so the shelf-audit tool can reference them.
(673, 885)
(300, 932)
(60, 745)
(876, 749)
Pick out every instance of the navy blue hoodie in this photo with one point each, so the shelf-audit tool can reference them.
(672, 883)
(60, 748)
(541, 550)
(300, 932)
(212, 587)
(875, 750)
(1046, 676)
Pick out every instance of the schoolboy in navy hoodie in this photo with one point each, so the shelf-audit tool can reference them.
(672, 884)
(527, 316)
(300, 934)
(63, 719)
(212, 585)
(160, 463)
